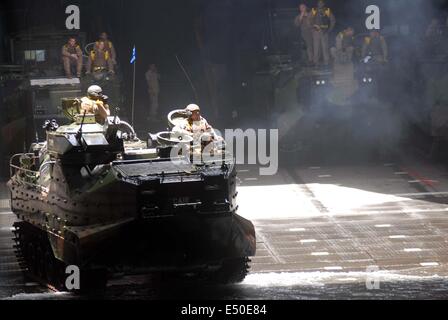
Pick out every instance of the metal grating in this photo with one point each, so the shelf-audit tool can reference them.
(154, 168)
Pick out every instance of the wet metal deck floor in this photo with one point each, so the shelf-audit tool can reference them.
(386, 217)
(323, 232)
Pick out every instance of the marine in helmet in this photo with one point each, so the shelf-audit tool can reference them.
(196, 126)
(96, 103)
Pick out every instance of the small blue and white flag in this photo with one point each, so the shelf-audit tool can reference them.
(134, 56)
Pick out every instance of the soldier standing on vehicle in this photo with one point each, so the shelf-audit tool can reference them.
(303, 21)
(72, 57)
(152, 79)
(323, 22)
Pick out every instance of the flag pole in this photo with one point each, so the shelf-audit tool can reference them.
(133, 95)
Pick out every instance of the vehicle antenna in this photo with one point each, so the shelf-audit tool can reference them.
(79, 134)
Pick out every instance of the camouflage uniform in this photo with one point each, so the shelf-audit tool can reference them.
(306, 28)
(68, 60)
(99, 61)
(323, 22)
(343, 51)
(195, 129)
(109, 47)
(152, 79)
(344, 82)
(90, 106)
(376, 47)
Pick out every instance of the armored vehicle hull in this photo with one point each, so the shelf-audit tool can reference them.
(86, 200)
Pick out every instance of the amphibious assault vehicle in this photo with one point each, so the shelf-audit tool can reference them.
(97, 197)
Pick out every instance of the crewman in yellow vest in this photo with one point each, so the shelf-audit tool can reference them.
(100, 60)
(375, 46)
(323, 22)
(72, 56)
(108, 46)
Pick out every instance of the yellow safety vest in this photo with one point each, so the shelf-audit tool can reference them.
(327, 12)
(368, 40)
(68, 47)
(93, 55)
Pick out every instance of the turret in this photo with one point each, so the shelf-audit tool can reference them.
(85, 142)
